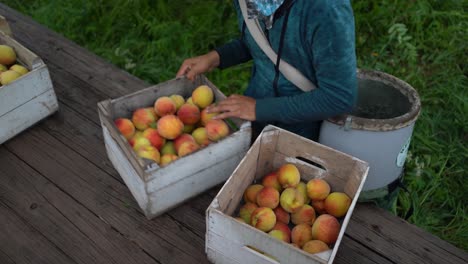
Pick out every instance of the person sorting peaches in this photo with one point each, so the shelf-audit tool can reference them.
(315, 37)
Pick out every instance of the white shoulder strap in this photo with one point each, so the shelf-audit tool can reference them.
(289, 72)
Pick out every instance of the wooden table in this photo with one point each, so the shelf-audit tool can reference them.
(61, 201)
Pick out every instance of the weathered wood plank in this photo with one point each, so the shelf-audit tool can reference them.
(398, 240)
(165, 240)
(61, 219)
(352, 252)
(20, 243)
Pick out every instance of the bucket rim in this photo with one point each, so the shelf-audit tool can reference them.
(386, 124)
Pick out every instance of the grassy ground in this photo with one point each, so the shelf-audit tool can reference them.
(422, 42)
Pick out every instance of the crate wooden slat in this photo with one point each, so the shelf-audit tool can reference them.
(230, 241)
(29, 98)
(159, 189)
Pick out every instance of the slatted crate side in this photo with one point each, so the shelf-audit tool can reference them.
(273, 148)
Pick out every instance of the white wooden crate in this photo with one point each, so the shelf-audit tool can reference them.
(230, 241)
(159, 189)
(29, 98)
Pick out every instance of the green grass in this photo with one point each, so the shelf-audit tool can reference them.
(422, 42)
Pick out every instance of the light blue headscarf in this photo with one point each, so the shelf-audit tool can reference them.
(262, 8)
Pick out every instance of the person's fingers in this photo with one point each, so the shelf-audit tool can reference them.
(184, 67)
(228, 114)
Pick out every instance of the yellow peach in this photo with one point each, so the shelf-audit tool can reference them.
(315, 246)
(178, 100)
(291, 200)
(202, 96)
(201, 137)
(246, 211)
(263, 218)
(168, 158)
(149, 152)
(168, 148)
(337, 204)
(8, 77)
(19, 69)
(288, 176)
(317, 189)
(7, 55)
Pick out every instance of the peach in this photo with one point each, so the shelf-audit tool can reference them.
(168, 158)
(153, 136)
(178, 100)
(271, 180)
(126, 127)
(149, 152)
(8, 77)
(7, 55)
(144, 117)
(305, 215)
(19, 69)
(181, 139)
(201, 137)
(164, 106)
(250, 194)
(263, 218)
(288, 176)
(170, 126)
(245, 212)
(280, 235)
(3, 68)
(216, 130)
(284, 229)
(188, 128)
(137, 134)
(315, 246)
(189, 114)
(301, 234)
(281, 215)
(291, 200)
(205, 116)
(189, 101)
(319, 206)
(187, 147)
(317, 189)
(202, 96)
(168, 148)
(326, 228)
(268, 197)
(337, 204)
(139, 142)
(302, 188)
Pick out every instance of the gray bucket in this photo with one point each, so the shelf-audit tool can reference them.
(378, 130)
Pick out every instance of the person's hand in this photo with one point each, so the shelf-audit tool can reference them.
(235, 106)
(199, 65)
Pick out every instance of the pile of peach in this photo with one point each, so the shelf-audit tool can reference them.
(303, 214)
(10, 69)
(173, 127)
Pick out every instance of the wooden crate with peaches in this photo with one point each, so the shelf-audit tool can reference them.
(289, 201)
(166, 146)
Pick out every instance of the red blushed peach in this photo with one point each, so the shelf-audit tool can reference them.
(288, 176)
(305, 215)
(319, 206)
(301, 234)
(281, 215)
(170, 126)
(246, 211)
(164, 106)
(216, 129)
(167, 158)
(201, 137)
(302, 188)
(315, 246)
(271, 180)
(187, 147)
(317, 189)
(263, 218)
(168, 148)
(189, 114)
(178, 100)
(291, 200)
(202, 96)
(144, 118)
(337, 204)
(268, 197)
(126, 127)
(140, 142)
(153, 136)
(149, 152)
(326, 228)
(250, 194)
(205, 116)
(283, 228)
(181, 139)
